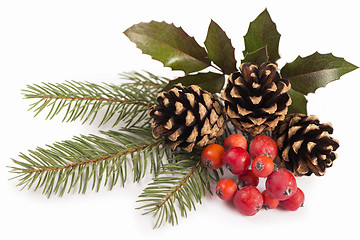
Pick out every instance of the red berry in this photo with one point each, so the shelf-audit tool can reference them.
(262, 166)
(211, 156)
(248, 200)
(226, 189)
(263, 145)
(237, 160)
(281, 184)
(296, 201)
(247, 178)
(235, 140)
(269, 202)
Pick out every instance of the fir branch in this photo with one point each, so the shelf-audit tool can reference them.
(104, 160)
(180, 184)
(128, 102)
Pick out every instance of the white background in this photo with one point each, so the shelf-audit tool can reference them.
(53, 41)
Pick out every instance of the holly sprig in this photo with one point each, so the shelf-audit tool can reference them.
(176, 49)
(180, 180)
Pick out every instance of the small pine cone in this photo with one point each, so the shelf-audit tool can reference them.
(187, 117)
(256, 98)
(305, 146)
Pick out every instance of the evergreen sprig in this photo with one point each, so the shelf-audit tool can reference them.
(181, 183)
(180, 180)
(127, 102)
(95, 160)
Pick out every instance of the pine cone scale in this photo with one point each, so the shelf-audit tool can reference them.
(160, 130)
(213, 116)
(202, 111)
(193, 135)
(302, 167)
(169, 124)
(190, 119)
(310, 146)
(270, 110)
(242, 111)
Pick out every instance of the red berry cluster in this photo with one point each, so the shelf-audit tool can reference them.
(281, 186)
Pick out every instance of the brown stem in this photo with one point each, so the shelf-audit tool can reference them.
(94, 160)
(180, 185)
(98, 99)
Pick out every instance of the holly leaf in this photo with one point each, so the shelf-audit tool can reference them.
(258, 57)
(262, 31)
(317, 70)
(219, 48)
(299, 102)
(212, 82)
(170, 45)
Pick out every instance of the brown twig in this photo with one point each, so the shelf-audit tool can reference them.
(94, 160)
(98, 99)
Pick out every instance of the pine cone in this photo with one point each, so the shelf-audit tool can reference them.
(305, 146)
(256, 98)
(187, 117)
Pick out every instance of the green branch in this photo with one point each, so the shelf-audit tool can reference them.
(180, 184)
(75, 163)
(128, 102)
(178, 187)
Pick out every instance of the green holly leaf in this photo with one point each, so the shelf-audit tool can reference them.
(170, 45)
(212, 82)
(317, 70)
(299, 102)
(258, 57)
(219, 48)
(262, 32)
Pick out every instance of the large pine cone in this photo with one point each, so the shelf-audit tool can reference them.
(187, 117)
(305, 146)
(256, 98)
